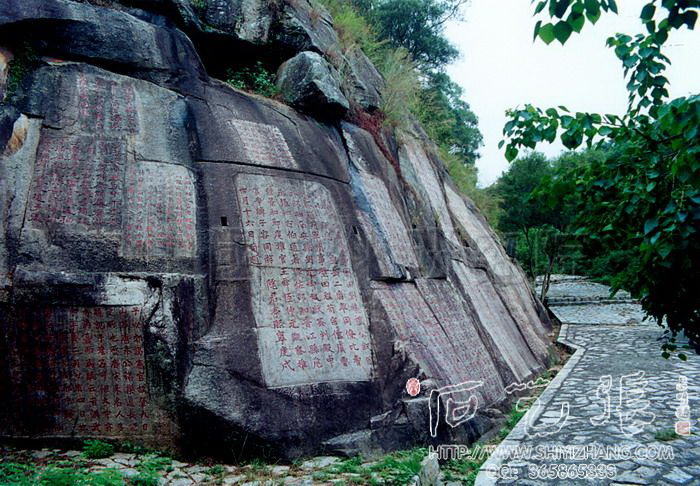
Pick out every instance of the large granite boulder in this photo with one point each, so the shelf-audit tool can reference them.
(364, 82)
(189, 266)
(104, 37)
(310, 84)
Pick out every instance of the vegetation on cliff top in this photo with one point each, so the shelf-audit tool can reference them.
(406, 42)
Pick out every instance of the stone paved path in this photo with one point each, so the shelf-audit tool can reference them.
(618, 344)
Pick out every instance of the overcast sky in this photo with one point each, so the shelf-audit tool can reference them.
(500, 68)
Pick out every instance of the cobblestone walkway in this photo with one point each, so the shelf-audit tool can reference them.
(630, 446)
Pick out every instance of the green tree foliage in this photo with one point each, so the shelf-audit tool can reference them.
(405, 41)
(515, 188)
(448, 118)
(538, 231)
(644, 198)
(538, 224)
(417, 26)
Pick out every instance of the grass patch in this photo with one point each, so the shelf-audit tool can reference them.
(23, 62)
(400, 467)
(131, 448)
(20, 468)
(393, 469)
(257, 469)
(216, 473)
(96, 449)
(16, 473)
(257, 79)
(63, 473)
(351, 465)
(665, 435)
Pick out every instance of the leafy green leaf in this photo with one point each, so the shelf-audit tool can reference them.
(540, 6)
(651, 225)
(648, 12)
(546, 33)
(561, 8)
(576, 21)
(537, 30)
(665, 250)
(592, 10)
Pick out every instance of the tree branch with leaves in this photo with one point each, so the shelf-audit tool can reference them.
(644, 198)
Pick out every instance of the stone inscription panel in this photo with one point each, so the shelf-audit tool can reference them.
(106, 106)
(415, 323)
(312, 326)
(311, 321)
(496, 320)
(81, 371)
(290, 224)
(78, 180)
(475, 229)
(90, 179)
(470, 353)
(433, 188)
(264, 144)
(389, 219)
(161, 211)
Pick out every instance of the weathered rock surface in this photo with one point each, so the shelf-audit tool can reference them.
(310, 84)
(195, 267)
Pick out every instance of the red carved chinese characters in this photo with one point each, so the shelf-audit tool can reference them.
(161, 211)
(78, 180)
(264, 144)
(470, 359)
(84, 372)
(388, 217)
(106, 106)
(416, 324)
(310, 315)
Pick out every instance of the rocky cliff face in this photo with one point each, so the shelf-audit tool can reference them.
(191, 266)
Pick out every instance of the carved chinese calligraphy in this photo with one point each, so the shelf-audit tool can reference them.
(470, 354)
(78, 180)
(264, 144)
(388, 218)
(516, 293)
(161, 211)
(89, 179)
(496, 320)
(431, 187)
(106, 106)
(83, 372)
(476, 230)
(415, 324)
(311, 321)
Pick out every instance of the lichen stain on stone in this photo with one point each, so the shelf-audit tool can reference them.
(5, 58)
(19, 135)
